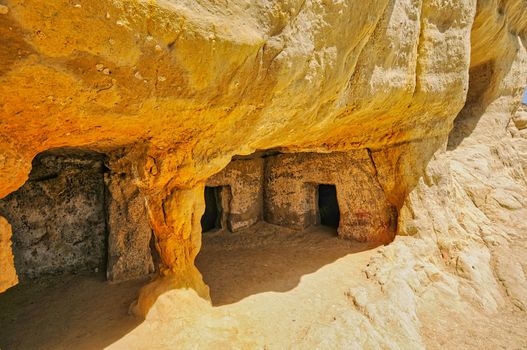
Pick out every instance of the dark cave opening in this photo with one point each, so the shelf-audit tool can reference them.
(328, 206)
(211, 219)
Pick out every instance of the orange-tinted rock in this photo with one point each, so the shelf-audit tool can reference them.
(8, 277)
(185, 86)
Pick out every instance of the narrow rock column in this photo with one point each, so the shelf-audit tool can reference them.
(8, 277)
(129, 254)
(175, 220)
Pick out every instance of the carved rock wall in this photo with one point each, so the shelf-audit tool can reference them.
(129, 234)
(73, 214)
(291, 193)
(243, 200)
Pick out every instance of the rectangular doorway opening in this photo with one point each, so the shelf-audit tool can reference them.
(328, 206)
(212, 218)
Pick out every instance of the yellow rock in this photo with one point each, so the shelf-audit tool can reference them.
(186, 85)
(8, 276)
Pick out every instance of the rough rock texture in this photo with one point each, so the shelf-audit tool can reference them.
(129, 235)
(518, 128)
(285, 193)
(72, 215)
(243, 199)
(58, 216)
(185, 85)
(8, 277)
(291, 193)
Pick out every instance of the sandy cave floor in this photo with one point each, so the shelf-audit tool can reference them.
(80, 311)
(85, 312)
(236, 266)
(264, 281)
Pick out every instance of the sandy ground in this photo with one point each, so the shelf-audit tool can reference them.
(270, 288)
(278, 289)
(235, 265)
(66, 312)
(85, 312)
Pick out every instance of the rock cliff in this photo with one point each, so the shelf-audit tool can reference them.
(175, 89)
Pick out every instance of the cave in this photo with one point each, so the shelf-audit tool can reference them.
(211, 219)
(58, 216)
(322, 129)
(76, 227)
(300, 190)
(75, 215)
(328, 207)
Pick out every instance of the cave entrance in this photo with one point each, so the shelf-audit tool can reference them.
(328, 207)
(62, 222)
(58, 216)
(212, 218)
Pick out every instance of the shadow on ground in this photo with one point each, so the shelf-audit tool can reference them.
(67, 312)
(86, 312)
(266, 258)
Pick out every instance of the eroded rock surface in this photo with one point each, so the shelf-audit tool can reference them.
(58, 216)
(8, 277)
(129, 234)
(292, 182)
(183, 86)
(242, 190)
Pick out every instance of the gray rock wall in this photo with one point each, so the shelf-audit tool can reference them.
(129, 251)
(58, 216)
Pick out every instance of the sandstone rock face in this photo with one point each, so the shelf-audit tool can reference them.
(291, 185)
(178, 88)
(283, 189)
(242, 192)
(8, 277)
(129, 235)
(74, 215)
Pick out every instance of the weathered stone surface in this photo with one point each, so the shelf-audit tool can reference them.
(186, 85)
(58, 216)
(191, 84)
(8, 277)
(129, 235)
(291, 182)
(73, 214)
(243, 199)
(520, 120)
(286, 193)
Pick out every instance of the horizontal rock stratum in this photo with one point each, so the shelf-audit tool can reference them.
(169, 91)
